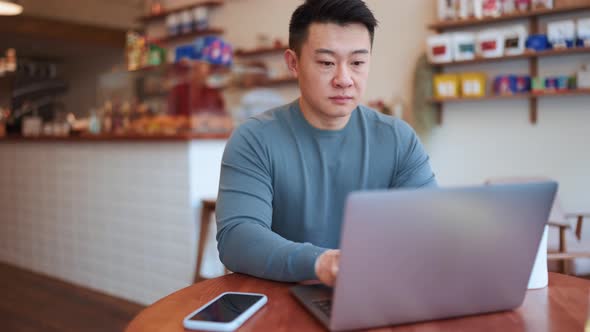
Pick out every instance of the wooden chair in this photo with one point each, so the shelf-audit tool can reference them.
(564, 256)
(207, 211)
(558, 219)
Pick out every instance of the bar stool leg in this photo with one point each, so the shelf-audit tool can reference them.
(206, 214)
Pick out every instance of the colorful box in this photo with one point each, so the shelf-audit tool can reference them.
(488, 8)
(514, 40)
(473, 85)
(583, 78)
(511, 84)
(538, 84)
(522, 84)
(583, 32)
(446, 86)
(464, 46)
(440, 48)
(490, 43)
(562, 34)
(538, 43)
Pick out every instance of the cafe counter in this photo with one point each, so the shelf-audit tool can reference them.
(114, 213)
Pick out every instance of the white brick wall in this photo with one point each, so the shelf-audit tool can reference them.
(116, 217)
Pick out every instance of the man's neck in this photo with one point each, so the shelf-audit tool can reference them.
(316, 120)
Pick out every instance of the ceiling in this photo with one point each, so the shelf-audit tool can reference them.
(66, 29)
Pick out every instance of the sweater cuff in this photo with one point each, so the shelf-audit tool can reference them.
(306, 262)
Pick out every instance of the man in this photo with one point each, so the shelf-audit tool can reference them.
(286, 173)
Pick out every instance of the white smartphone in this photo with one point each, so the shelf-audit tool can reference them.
(226, 312)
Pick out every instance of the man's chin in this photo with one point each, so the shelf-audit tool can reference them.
(343, 110)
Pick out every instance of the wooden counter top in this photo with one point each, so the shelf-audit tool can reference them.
(118, 138)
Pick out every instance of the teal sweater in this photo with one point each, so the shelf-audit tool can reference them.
(284, 184)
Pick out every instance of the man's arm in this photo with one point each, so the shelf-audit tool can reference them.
(413, 164)
(246, 241)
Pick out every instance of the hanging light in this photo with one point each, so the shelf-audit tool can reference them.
(9, 8)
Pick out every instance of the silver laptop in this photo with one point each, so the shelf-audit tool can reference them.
(418, 255)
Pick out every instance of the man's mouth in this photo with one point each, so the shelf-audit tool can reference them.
(340, 98)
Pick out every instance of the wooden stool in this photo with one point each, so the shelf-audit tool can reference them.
(207, 211)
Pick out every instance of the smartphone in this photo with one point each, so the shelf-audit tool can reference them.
(226, 312)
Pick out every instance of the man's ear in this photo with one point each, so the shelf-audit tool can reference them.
(292, 62)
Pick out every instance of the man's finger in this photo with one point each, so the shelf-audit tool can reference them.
(335, 268)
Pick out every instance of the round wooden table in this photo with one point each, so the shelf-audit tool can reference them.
(563, 306)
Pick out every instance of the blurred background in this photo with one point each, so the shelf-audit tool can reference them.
(114, 116)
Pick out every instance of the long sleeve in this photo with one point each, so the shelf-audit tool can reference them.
(413, 169)
(246, 242)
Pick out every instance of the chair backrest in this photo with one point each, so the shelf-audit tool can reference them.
(557, 213)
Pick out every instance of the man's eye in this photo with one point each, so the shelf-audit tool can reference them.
(358, 63)
(326, 63)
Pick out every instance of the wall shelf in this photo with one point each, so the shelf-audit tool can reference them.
(533, 98)
(183, 64)
(526, 55)
(193, 34)
(455, 24)
(532, 57)
(162, 15)
(577, 92)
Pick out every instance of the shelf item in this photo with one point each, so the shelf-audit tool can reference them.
(562, 34)
(463, 46)
(515, 40)
(490, 44)
(473, 84)
(446, 86)
(454, 24)
(160, 16)
(532, 57)
(260, 51)
(184, 36)
(440, 48)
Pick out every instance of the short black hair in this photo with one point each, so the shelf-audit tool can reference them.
(340, 12)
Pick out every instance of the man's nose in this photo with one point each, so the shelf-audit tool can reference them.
(342, 79)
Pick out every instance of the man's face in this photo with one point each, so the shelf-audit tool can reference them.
(332, 68)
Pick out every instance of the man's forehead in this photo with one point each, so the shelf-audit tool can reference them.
(331, 38)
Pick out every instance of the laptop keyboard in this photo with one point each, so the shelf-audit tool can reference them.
(325, 306)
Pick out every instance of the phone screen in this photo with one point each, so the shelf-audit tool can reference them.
(226, 308)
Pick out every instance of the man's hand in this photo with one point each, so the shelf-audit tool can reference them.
(326, 267)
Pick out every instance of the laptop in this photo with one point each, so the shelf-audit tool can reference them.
(417, 255)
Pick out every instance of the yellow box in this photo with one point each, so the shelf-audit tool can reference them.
(446, 86)
(473, 85)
